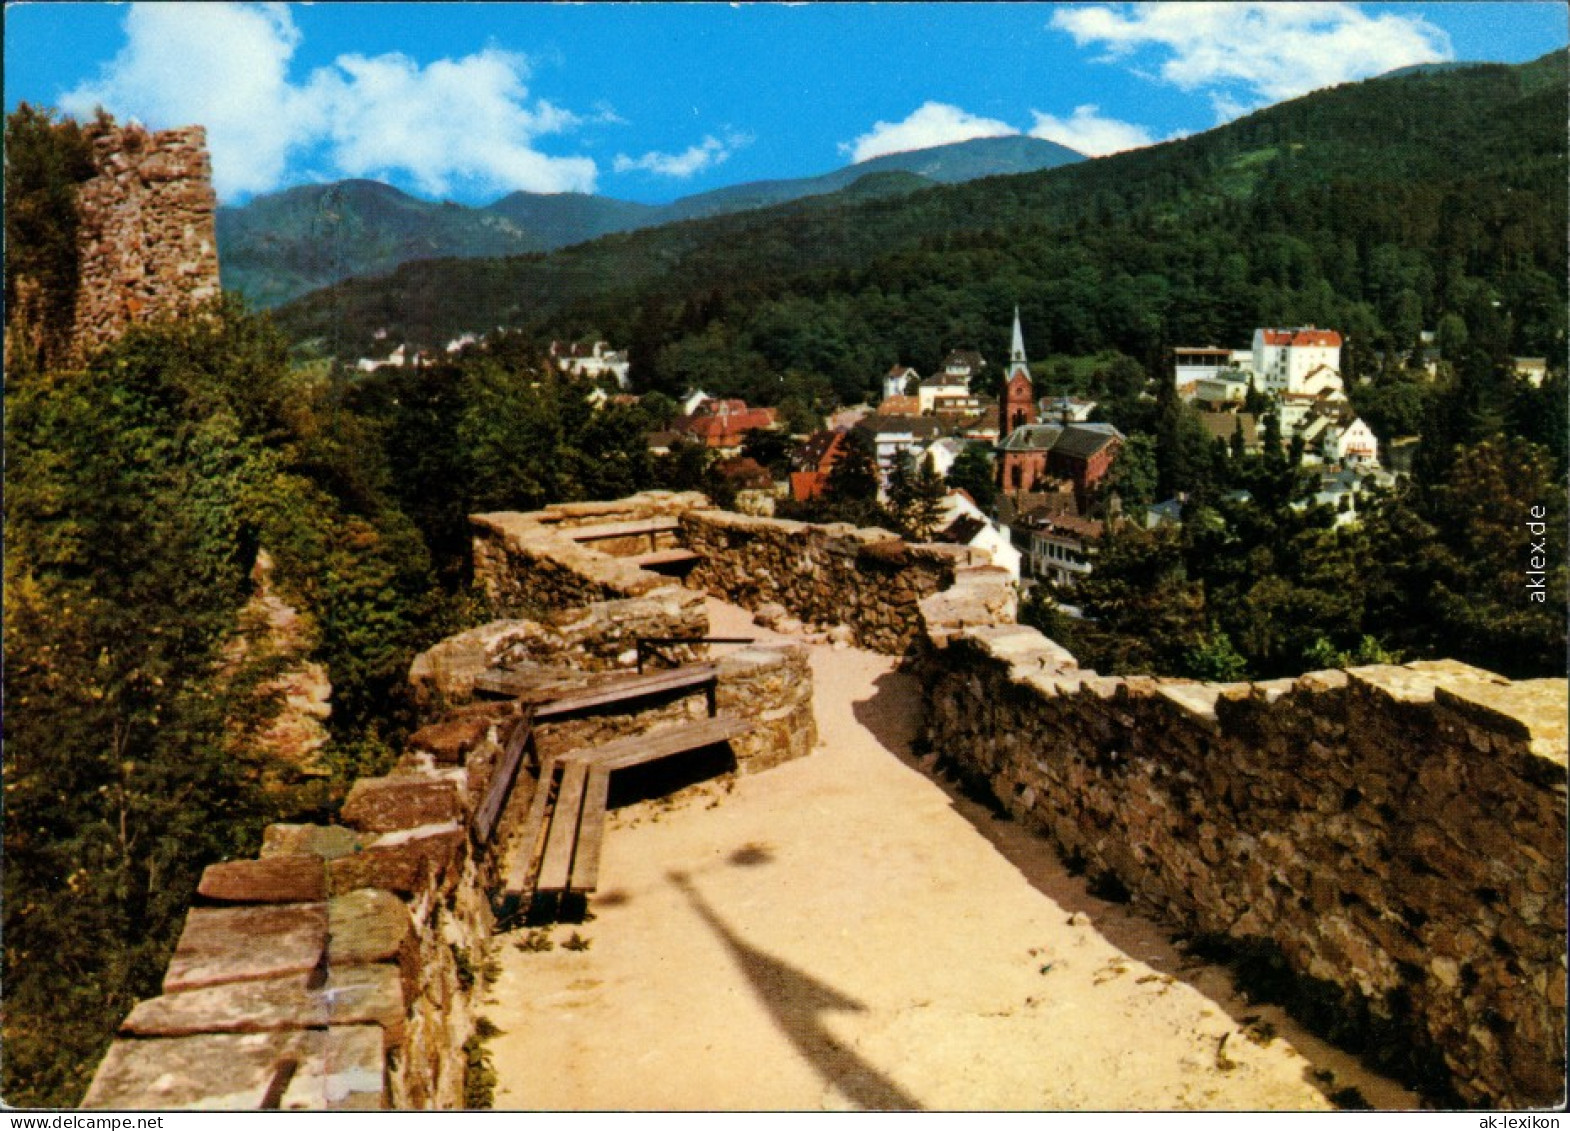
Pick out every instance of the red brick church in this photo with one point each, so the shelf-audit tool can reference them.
(1035, 456)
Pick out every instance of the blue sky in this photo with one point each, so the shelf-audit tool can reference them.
(654, 101)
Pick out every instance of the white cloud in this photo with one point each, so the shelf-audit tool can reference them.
(708, 153)
(934, 123)
(453, 120)
(1251, 54)
(221, 65)
(1088, 132)
(226, 66)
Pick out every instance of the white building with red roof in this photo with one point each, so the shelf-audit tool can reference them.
(1284, 359)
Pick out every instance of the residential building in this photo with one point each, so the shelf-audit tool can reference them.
(897, 380)
(660, 443)
(900, 406)
(1191, 364)
(1059, 546)
(397, 359)
(1343, 490)
(1169, 513)
(964, 364)
(811, 463)
(964, 524)
(846, 418)
(891, 437)
(723, 424)
(942, 386)
(981, 426)
(1283, 359)
(744, 473)
(1230, 387)
(591, 361)
(1225, 425)
(1066, 409)
(691, 400)
(1349, 442)
(957, 404)
(942, 453)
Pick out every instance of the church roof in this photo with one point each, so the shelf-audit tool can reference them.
(1032, 438)
(1078, 440)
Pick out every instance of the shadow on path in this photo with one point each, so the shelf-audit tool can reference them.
(894, 715)
(796, 1000)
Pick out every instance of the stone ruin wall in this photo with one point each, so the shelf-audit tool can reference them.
(147, 238)
(866, 579)
(342, 968)
(1395, 834)
(338, 970)
(524, 564)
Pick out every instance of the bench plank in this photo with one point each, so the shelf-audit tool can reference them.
(640, 748)
(502, 778)
(664, 557)
(591, 832)
(556, 864)
(523, 685)
(520, 869)
(622, 529)
(629, 687)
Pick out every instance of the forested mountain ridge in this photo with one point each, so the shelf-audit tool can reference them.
(282, 245)
(1374, 207)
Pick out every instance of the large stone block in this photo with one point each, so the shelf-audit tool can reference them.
(327, 841)
(367, 925)
(403, 862)
(338, 1068)
(392, 803)
(351, 995)
(240, 944)
(297, 878)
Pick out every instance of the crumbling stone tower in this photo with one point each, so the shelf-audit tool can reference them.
(147, 240)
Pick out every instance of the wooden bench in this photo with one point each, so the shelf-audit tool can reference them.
(652, 527)
(502, 778)
(672, 557)
(602, 690)
(629, 688)
(558, 851)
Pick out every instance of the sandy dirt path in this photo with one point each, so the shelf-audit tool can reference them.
(842, 932)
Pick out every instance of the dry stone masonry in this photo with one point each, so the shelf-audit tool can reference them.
(1394, 835)
(147, 240)
(341, 968)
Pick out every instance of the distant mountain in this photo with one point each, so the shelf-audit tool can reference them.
(283, 245)
(287, 243)
(943, 164)
(559, 219)
(1377, 206)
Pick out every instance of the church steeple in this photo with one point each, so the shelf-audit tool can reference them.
(1017, 405)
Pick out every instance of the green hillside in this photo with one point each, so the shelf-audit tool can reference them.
(565, 218)
(285, 244)
(944, 164)
(1374, 207)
